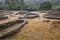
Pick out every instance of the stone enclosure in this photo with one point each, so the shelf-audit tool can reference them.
(52, 15)
(29, 15)
(11, 27)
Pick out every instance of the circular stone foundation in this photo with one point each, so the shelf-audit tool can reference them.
(31, 15)
(21, 12)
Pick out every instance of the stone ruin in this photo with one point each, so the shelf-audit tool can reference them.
(22, 12)
(2, 17)
(41, 11)
(52, 15)
(29, 16)
(11, 27)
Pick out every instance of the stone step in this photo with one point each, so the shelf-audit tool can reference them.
(11, 30)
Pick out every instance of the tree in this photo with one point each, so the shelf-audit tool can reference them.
(14, 4)
(22, 4)
(31, 6)
(1, 6)
(9, 4)
(45, 6)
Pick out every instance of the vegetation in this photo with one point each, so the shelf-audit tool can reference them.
(1, 6)
(31, 6)
(14, 5)
(45, 6)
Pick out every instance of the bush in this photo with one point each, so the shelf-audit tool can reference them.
(58, 9)
(45, 6)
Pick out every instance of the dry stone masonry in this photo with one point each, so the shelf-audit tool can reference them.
(52, 15)
(11, 27)
(29, 16)
(3, 17)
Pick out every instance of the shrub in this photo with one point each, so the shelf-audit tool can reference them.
(45, 6)
(58, 9)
